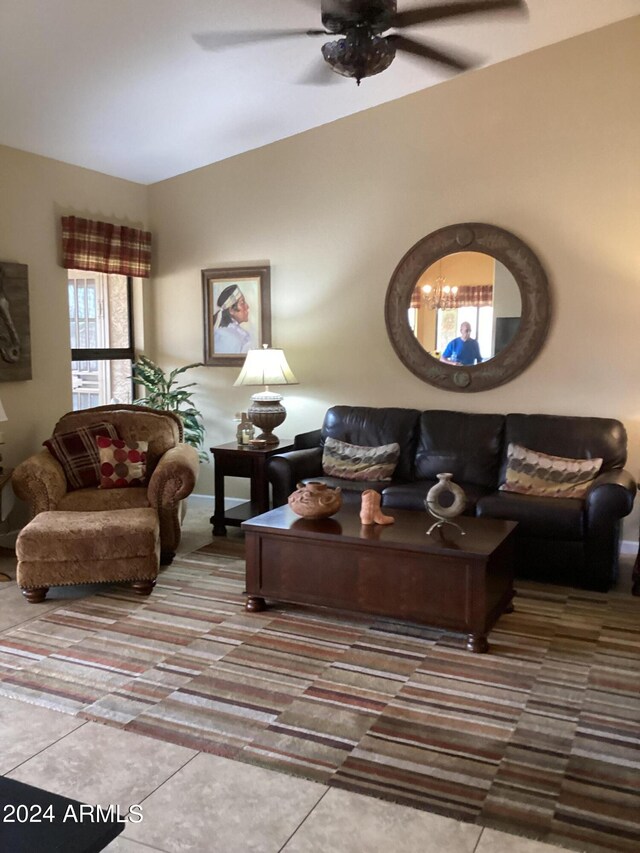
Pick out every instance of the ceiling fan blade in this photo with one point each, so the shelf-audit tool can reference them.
(319, 74)
(454, 10)
(424, 51)
(232, 38)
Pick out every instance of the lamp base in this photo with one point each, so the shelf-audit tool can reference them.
(266, 412)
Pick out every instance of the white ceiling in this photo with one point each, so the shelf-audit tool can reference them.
(120, 86)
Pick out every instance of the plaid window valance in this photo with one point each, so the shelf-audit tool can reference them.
(476, 296)
(104, 247)
(479, 296)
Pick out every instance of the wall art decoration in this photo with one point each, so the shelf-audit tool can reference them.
(15, 334)
(237, 313)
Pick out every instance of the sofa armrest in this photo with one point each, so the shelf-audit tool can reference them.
(174, 477)
(286, 469)
(307, 439)
(609, 499)
(40, 482)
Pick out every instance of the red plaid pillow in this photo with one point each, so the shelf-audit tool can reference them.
(76, 451)
(121, 464)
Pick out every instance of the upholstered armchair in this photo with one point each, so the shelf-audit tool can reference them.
(171, 470)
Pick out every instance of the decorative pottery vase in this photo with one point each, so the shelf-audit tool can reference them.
(443, 513)
(315, 500)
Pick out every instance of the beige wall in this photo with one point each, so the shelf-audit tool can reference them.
(545, 145)
(35, 192)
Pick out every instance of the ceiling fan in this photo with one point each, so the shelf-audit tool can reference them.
(364, 49)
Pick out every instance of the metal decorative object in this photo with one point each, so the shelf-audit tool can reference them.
(359, 55)
(532, 283)
(444, 514)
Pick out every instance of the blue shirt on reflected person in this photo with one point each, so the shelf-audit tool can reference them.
(465, 352)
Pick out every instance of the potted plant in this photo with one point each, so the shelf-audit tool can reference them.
(163, 392)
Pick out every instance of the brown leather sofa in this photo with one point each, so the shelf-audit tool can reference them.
(559, 539)
(172, 469)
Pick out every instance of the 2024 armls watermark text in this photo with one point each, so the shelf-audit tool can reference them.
(73, 813)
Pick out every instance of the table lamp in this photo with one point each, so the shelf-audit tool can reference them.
(266, 367)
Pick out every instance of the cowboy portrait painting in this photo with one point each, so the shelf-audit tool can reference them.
(236, 313)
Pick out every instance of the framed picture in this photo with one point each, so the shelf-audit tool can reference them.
(237, 313)
(15, 334)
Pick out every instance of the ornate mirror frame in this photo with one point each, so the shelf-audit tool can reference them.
(532, 282)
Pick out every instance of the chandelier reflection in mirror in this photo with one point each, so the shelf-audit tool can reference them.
(439, 295)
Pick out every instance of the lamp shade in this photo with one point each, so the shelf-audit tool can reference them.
(266, 367)
(3, 414)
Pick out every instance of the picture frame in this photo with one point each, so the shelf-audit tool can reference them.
(15, 330)
(236, 312)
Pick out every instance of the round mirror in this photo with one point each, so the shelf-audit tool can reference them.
(468, 307)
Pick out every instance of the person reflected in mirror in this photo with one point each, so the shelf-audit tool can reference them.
(229, 336)
(462, 350)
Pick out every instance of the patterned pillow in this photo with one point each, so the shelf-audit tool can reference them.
(122, 465)
(76, 451)
(530, 472)
(352, 462)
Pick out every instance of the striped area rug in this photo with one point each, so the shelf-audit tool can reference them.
(540, 737)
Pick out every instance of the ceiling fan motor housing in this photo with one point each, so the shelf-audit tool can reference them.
(340, 16)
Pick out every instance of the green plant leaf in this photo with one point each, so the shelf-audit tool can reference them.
(161, 394)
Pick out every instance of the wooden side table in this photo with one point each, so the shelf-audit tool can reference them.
(233, 460)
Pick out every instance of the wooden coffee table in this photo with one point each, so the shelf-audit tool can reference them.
(444, 580)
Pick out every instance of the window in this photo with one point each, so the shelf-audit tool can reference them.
(480, 319)
(101, 332)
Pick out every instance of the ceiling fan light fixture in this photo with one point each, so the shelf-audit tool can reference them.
(353, 56)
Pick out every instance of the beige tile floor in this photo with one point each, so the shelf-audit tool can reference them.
(202, 803)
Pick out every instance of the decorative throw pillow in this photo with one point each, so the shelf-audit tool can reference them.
(530, 472)
(122, 465)
(352, 462)
(76, 451)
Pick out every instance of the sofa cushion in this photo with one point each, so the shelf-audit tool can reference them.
(372, 427)
(122, 465)
(354, 462)
(413, 495)
(541, 518)
(467, 445)
(575, 437)
(77, 452)
(531, 472)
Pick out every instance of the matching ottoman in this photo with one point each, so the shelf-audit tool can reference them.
(62, 548)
